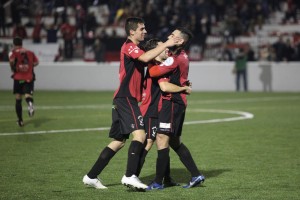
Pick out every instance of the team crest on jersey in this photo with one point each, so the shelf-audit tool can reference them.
(154, 130)
(185, 56)
(168, 62)
(140, 118)
(134, 49)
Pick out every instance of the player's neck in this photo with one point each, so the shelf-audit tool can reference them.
(133, 40)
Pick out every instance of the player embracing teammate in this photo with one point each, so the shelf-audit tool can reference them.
(127, 117)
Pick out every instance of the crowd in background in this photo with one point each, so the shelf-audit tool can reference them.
(234, 17)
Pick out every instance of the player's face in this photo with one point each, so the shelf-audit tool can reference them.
(176, 33)
(140, 32)
(163, 55)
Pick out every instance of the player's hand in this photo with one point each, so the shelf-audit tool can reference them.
(188, 90)
(174, 41)
(188, 83)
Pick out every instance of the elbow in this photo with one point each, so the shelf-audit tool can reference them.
(163, 88)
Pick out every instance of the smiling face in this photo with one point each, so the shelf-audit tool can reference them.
(138, 35)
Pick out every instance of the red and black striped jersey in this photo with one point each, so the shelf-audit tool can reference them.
(151, 100)
(23, 62)
(176, 68)
(131, 72)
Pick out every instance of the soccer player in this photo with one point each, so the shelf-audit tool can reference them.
(126, 115)
(172, 114)
(151, 105)
(22, 61)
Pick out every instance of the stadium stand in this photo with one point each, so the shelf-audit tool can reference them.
(220, 27)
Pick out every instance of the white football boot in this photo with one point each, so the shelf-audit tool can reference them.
(133, 182)
(96, 183)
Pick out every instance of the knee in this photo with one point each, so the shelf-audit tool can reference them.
(116, 145)
(149, 144)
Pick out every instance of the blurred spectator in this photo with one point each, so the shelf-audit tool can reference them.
(91, 22)
(15, 12)
(280, 48)
(225, 53)
(51, 33)
(68, 33)
(290, 11)
(290, 53)
(36, 33)
(19, 31)
(2, 20)
(250, 53)
(80, 16)
(99, 49)
(4, 53)
(266, 56)
(240, 70)
(60, 11)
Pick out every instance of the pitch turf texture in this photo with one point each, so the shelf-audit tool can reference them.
(256, 158)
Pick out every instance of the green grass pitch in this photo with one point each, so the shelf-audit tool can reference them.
(256, 158)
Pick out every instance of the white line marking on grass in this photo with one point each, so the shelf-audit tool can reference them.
(243, 116)
(192, 102)
(56, 131)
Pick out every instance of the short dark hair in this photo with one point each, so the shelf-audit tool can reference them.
(17, 41)
(151, 44)
(186, 34)
(132, 24)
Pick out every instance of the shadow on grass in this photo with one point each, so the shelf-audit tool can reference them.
(37, 122)
(181, 175)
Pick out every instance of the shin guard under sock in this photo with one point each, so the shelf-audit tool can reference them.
(18, 108)
(161, 164)
(101, 163)
(134, 154)
(142, 161)
(187, 159)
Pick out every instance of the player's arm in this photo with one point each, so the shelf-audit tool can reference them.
(12, 62)
(165, 67)
(151, 54)
(172, 88)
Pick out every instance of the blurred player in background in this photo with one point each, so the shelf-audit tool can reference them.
(22, 61)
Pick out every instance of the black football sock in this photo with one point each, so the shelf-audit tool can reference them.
(101, 163)
(161, 164)
(187, 159)
(29, 99)
(142, 161)
(18, 108)
(134, 154)
(168, 170)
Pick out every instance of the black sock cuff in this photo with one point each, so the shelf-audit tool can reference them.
(136, 146)
(29, 99)
(109, 151)
(179, 147)
(18, 101)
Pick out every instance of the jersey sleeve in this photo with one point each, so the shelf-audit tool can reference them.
(165, 67)
(133, 50)
(11, 56)
(163, 79)
(35, 59)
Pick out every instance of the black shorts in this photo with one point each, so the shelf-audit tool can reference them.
(171, 118)
(126, 118)
(23, 87)
(150, 127)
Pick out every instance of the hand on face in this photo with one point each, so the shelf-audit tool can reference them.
(172, 41)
